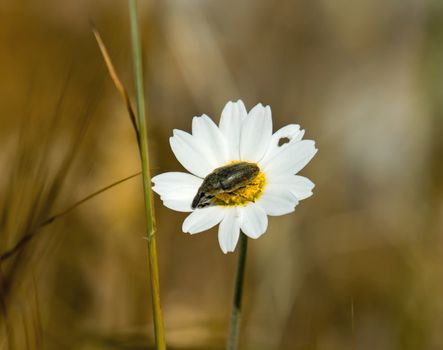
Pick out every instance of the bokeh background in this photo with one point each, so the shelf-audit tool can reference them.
(357, 266)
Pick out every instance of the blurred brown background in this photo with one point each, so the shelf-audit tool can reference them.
(357, 266)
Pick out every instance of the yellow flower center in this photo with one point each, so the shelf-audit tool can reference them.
(242, 196)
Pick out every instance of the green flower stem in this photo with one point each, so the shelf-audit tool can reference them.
(144, 155)
(234, 326)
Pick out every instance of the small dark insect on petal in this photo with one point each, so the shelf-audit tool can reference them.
(282, 141)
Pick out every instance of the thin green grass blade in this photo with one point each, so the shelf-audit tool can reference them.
(144, 155)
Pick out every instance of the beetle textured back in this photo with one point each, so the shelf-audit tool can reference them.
(225, 179)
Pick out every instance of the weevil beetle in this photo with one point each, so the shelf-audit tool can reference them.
(225, 179)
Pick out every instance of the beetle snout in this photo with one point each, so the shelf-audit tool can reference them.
(196, 200)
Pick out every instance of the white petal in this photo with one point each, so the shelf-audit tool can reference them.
(277, 200)
(180, 194)
(211, 139)
(230, 125)
(229, 230)
(291, 160)
(291, 132)
(300, 186)
(256, 133)
(189, 151)
(178, 205)
(254, 220)
(176, 189)
(203, 219)
(175, 180)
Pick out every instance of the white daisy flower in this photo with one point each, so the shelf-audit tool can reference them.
(239, 173)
